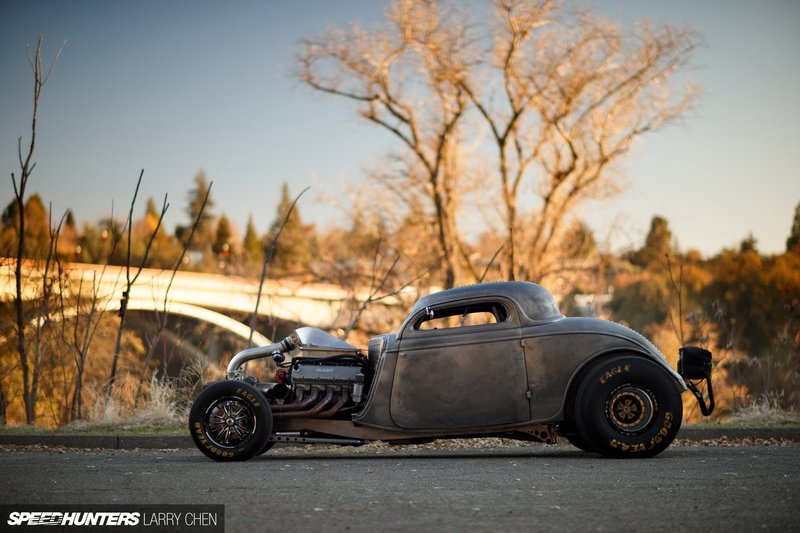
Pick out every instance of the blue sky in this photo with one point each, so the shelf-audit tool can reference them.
(178, 86)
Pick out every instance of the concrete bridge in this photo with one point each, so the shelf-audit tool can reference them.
(206, 297)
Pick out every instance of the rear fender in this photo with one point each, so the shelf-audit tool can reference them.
(590, 362)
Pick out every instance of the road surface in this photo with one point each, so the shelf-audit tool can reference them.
(531, 488)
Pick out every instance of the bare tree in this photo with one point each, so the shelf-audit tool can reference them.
(564, 97)
(40, 77)
(163, 316)
(129, 281)
(43, 310)
(378, 278)
(404, 78)
(85, 324)
(81, 338)
(576, 92)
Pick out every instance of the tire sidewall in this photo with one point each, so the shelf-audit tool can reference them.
(576, 440)
(594, 397)
(248, 395)
(266, 447)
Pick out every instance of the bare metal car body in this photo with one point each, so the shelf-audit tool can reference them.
(493, 359)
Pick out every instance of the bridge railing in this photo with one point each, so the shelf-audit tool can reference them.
(316, 304)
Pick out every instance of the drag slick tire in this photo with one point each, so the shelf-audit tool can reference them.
(230, 421)
(577, 441)
(628, 407)
(267, 447)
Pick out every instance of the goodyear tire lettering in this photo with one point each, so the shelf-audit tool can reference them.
(259, 426)
(605, 428)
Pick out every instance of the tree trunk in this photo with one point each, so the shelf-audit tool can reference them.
(3, 418)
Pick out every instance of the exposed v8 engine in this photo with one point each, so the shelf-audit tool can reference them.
(343, 377)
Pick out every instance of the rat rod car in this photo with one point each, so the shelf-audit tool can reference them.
(495, 359)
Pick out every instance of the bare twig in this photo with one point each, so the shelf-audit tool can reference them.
(161, 319)
(377, 284)
(130, 281)
(490, 263)
(267, 259)
(677, 288)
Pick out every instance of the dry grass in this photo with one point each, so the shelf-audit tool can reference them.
(164, 406)
(768, 410)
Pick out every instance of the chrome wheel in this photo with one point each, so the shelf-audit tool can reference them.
(231, 422)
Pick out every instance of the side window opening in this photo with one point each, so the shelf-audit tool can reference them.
(463, 315)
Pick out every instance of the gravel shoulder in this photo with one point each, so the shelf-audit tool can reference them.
(688, 436)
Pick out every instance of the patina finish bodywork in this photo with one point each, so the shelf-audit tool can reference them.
(490, 359)
(515, 372)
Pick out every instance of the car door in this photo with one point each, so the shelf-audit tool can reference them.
(461, 365)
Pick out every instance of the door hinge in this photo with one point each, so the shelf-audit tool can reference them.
(528, 395)
(522, 342)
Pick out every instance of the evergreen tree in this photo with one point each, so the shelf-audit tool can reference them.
(292, 251)
(793, 242)
(68, 239)
(202, 237)
(253, 251)
(152, 209)
(37, 229)
(164, 250)
(222, 239)
(657, 244)
(749, 244)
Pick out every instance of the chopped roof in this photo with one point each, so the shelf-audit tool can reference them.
(534, 300)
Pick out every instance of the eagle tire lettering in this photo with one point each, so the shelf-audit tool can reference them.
(219, 443)
(628, 406)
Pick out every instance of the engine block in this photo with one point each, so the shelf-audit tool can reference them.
(340, 377)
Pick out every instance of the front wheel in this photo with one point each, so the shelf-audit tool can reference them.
(628, 407)
(230, 421)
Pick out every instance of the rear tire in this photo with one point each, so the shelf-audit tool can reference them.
(577, 441)
(628, 407)
(230, 421)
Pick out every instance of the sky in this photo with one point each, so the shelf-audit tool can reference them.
(176, 86)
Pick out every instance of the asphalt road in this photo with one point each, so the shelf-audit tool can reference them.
(535, 488)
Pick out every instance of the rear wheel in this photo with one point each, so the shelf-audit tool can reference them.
(628, 407)
(230, 421)
(577, 441)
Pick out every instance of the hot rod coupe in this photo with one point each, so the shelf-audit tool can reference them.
(494, 359)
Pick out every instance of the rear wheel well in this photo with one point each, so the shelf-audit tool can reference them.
(577, 379)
